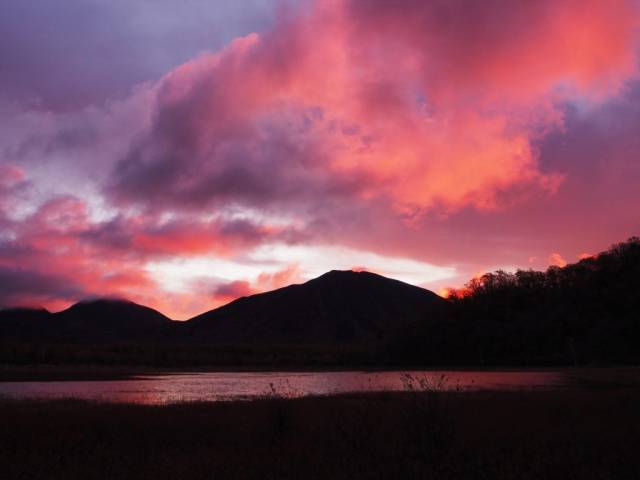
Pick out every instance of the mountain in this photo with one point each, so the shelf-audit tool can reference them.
(94, 321)
(339, 307)
(22, 314)
(107, 319)
(22, 323)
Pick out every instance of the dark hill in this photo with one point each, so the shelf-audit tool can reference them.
(106, 320)
(95, 321)
(22, 314)
(336, 308)
(22, 323)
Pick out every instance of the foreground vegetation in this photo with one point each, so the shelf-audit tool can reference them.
(583, 434)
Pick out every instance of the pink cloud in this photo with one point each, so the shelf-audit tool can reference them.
(434, 105)
(210, 292)
(58, 254)
(501, 50)
(12, 179)
(281, 278)
(10, 175)
(227, 292)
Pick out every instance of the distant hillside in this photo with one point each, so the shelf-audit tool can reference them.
(338, 307)
(22, 324)
(96, 321)
(22, 314)
(585, 313)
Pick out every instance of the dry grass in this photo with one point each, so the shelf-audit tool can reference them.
(581, 434)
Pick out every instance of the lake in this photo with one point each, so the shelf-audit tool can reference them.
(221, 386)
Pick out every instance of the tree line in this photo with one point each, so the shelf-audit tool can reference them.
(584, 313)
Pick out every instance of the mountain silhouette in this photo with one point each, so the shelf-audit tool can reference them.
(337, 307)
(91, 321)
(22, 314)
(583, 313)
(104, 319)
(23, 324)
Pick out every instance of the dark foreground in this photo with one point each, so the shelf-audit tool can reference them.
(587, 433)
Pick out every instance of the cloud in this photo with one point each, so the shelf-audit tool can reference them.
(149, 237)
(12, 182)
(500, 50)
(59, 253)
(22, 287)
(226, 291)
(557, 260)
(230, 291)
(207, 292)
(270, 281)
(433, 105)
(63, 56)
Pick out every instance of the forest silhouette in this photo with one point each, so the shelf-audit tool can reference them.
(584, 313)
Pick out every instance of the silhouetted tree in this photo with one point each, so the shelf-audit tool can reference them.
(587, 312)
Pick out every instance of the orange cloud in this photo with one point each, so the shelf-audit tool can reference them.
(557, 260)
(281, 278)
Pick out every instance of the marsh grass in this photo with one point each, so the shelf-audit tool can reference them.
(586, 434)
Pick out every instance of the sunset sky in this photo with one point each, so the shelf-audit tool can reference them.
(183, 153)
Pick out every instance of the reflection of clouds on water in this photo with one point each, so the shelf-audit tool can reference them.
(191, 387)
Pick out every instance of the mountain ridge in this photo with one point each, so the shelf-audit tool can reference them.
(98, 320)
(585, 313)
(340, 302)
(340, 306)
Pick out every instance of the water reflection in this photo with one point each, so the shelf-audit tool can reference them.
(187, 387)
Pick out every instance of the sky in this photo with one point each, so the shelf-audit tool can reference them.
(181, 154)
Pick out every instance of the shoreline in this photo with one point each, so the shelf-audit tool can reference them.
(627, 375)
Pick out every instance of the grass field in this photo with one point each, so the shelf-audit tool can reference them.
(586, 433)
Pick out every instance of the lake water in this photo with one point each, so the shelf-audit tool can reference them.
(186, 387)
